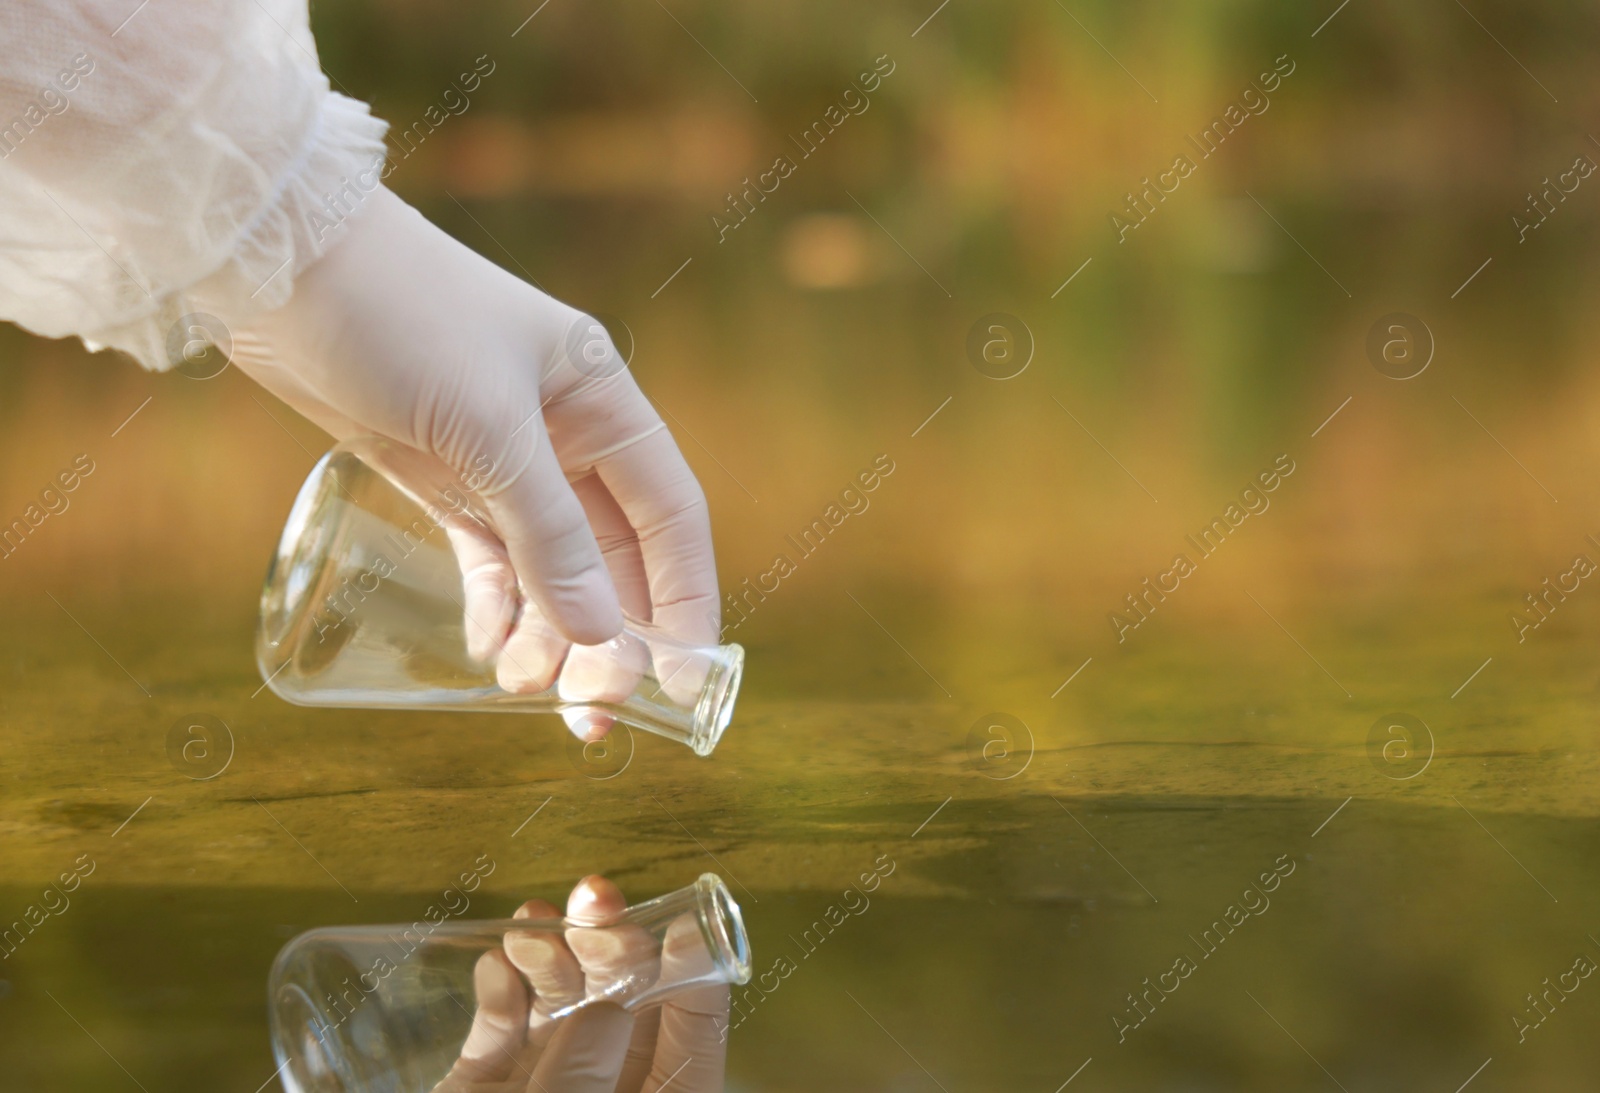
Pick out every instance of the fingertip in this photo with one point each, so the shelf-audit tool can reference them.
(588, 725)
(532, 656)
(543, 957)
(496, 982)
(595, 899)
(536, 908)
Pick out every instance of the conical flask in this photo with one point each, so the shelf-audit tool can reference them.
(364, 606)
(395, 1009)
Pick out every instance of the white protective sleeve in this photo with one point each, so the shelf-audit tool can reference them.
(163, 158)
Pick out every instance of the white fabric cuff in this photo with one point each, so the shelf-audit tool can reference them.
(341, 163)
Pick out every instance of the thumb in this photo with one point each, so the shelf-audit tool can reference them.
(553, 550)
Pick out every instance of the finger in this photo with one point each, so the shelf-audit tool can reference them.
(608, 425)
(595, 901)
(691, 1043)
(499, 1027)
(664, 502)
(619, 545)
(610, 672)
(641, 1051)
(531, 657)
(587, 1051)
(557, 561)
(667, 509)
(545, 960)
(588, 725)
(619, 962)
(488, 586)
(610, 952)
(616, 957)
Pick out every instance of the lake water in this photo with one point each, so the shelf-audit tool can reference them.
(1400, 927)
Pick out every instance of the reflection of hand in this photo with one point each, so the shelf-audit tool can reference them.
(515, 1046)
(399, 331)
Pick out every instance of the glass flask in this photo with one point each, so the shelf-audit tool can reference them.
(364, 606)
(389, 1008)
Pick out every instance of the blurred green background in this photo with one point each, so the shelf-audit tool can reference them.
(831, 329)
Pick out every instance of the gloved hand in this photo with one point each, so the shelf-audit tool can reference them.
(515, 1048)
(402, 332)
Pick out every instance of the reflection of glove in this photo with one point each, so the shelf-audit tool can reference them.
(402, 332)
(515, 1048)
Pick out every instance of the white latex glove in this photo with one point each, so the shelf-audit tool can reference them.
(402, 332)
(513, 1046)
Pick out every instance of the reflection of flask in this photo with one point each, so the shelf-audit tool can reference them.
(364, 606)
(389, 1007)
